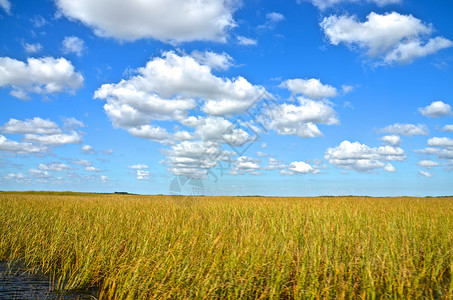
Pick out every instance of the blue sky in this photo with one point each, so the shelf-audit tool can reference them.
(287, 98)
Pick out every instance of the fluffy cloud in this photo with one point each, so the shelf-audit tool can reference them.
(20, 148)
(165, 20)
(448, 128)
(45, 75)
(273, 164)
(406, 129)
(427, 164)
(87, 149)
(393, 140)
(39, 174)
(193, 159)
(73, 44)
(391, 37)
(54, 167)
(311, 88)
(214, 60)
(360, 157)
(166, 88)
(244, 164)
(300, 120)
(72, 123)
(245, 41)
(436, 109)
(143, 175)
(300, 167)
(59, 139)
(442, 142)
(35, 125)
(32, 48)
(92, 169)
(323, 4)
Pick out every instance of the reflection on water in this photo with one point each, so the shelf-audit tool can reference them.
(15, 283)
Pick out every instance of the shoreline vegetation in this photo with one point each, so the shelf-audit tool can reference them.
(178, 247)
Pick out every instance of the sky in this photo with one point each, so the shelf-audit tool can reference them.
(227, 97)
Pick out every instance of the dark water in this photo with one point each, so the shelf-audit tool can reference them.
(15, 283)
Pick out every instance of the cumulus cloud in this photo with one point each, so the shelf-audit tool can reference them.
(273, 164)
(36, 125)
(426, 174)
(300, 167)
(58, 139)
(55, 166)
(389, 168)
(72, 123)
(427, 164)
(45, 75)
(442, 142)
(193, 159)
(143, 175)
(406, 129)
(244, 164)
(392, 37)
(436, 109)
(168, 87)
(324, 4)
(394, 140)
(32, 48)
(20, 148)
(214, 60)
(40, 174)
(448, 128)
(92, 169)
(73, 44)
(245, 41)
(311, 88)
(164, 20)
(362, 158)
(300, 120)
(87, 149)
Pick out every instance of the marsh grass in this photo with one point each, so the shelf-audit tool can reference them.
(144, 247)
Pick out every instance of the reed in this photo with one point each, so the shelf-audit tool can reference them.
(145, 247)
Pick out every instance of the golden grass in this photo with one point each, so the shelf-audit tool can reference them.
(144, 247)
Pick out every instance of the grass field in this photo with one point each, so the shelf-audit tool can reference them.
(142, 247)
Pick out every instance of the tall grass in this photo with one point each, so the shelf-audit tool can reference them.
(142, 247)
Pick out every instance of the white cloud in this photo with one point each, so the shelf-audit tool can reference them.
(20, 148)
(138, 167)
(394, 140)
(18, 176)
(426, 174)
(441, 153)
(193, 159)
(360, 157)
(38, 21)
(58, 139)
(164, 20)
(92, 169)
(214, 60)
(87, 149)
(45, 75)
(35, 125)
(143, 175)
(389, 168)
(81, 162)
(274, 164)
(442, 142)
(54, 167)
(448, 128)
(391, 37)
(324, 4)
(427, 164)
(245, 41)
(244, 164)
(6, 5)
(436, 109)
(166, 88)
(300, 120)
(406, 129)
(300, 167)
(275, 17)
(32, 48)
(346, 89)
(39, 174)
(73, 44)
(72, 123)
(311, 88)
